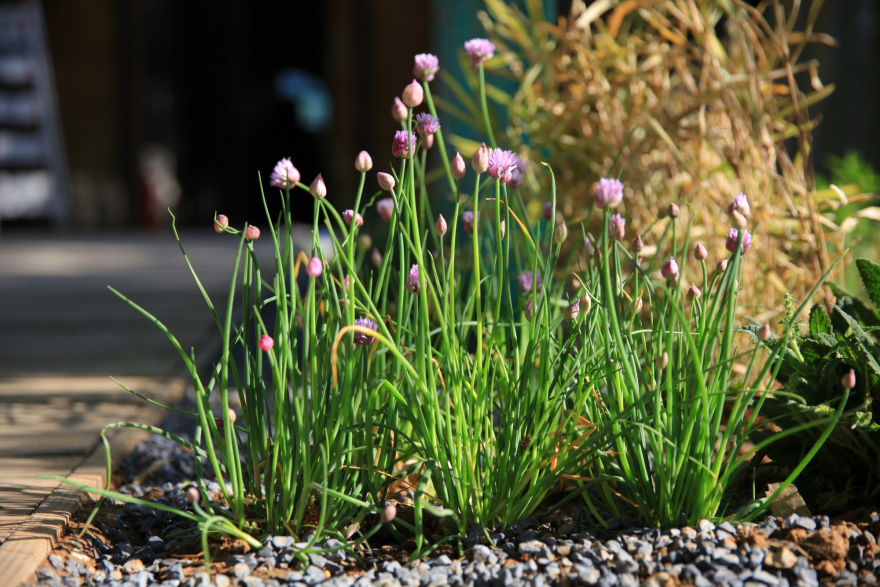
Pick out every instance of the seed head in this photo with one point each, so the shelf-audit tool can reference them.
(220, 223)
(700, 252)
(617, 227)
(252, 233)
(318, 189)
(457, 167)
(350, 216)
(284, 176)
(386, 181)
(413, 94)
(412, 281)
(609, 193)
(480, 161)
(560, 234)
(693, 293)
(315, 267)
(363, 162)
(362, 338)
(479, 50)
(426, 66)
(848, 381)
(399, 111)
(670, 269)
(265, 343)
(440, 226)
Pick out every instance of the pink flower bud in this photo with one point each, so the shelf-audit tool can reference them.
(662, 361)
(548, 211)
(700, 252)
(252, 233)
(722, 266)
(376, 257)
(527, 279)
(457, 167)
(399, 111)
(674, 212)
(412, 280)
(265, 343)
(413, 94)
(636, 307)
(571, 312)
(192, 495)
(363, 162)
(468, 220)
(388, 514)
(693, 293)
(669, 270)
(386, 181)
(529, 309)
(848, 381)
(732, 238)
(740, 204)
(314, 267)
(440, 226)
(220, 223)
(427, 142)
(617, 227)
(764, 333)
(480, 161)
(385, 206)
(588, 248)
(637, 245)
(318, 189)
(349, 215)
(609, 193)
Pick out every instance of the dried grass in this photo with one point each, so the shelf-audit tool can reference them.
(709, 92)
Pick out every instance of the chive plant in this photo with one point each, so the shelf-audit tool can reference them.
(460, 364)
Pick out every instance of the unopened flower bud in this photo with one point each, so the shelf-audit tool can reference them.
(586, 302)
(588, 248)
(386, 181)
(669, 270)
(192, 495)
(349, 216)
(848, 381)
(252, 233)
(376, 257)
(529, 308)
(764, 333)
(662, 361)
(501, 228)
(571, 312)
(440, 226)
(364, 242)
(637, 306)
(427, 142)
(700, 252)
(733, 237)
(740, 204)
(722, 266)
(385, 208)
(363, 162)
(617, 227)
(693, 293)
(457, 167)
(674, 212)
(468, 219)
(232, 415)
(220, 223)
(480, 161)
(315, 267)
(412, 282)
(398, 111)
(548, 211)
(388, 514)
(318, 189)
(265, 343)
(413, 94)
(637, 245)
(739, 220)
(560, 234)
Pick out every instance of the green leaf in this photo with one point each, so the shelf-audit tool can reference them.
(837, 290)
(819, 321)
(869, 271)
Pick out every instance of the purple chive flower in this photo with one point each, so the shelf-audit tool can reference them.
(670, 269)
(516, 174)
(412, 281)
(501, 165)
(609, 193)
(426, 65)
(385, 207)
(362, 338)
(526, 279)
(426, 124)
(479, 50)
(468, 219)
(404, 144)
(617, 227)
(285, 175)
(740, 204)
(732, 237)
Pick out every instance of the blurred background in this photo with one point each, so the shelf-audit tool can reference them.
(113, 110)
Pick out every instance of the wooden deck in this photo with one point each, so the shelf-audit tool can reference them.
(62, 335)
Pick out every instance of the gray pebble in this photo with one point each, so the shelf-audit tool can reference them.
(241, 570)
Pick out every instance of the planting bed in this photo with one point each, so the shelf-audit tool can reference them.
(128, 545)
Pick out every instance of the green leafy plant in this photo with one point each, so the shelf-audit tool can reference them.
(846, 471)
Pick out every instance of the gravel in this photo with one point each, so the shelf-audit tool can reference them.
(798, 551)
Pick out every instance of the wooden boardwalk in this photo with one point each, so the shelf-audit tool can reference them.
(62, 335)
